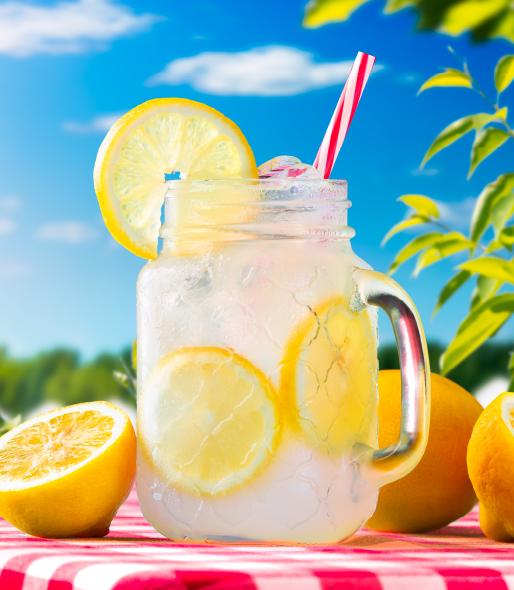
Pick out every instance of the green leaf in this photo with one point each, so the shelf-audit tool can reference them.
(492, 267)
(504, 73)
(322, 12)
(121, 378)
(486, 142)
(413, 247)
(501, 188)
(502, 210)
(468, 14)
(450, 77)
(395, 5)
(405, 224)
(502, 114)
(451, 287)
(501, 26)
(480, 324)
(423, 205)
(510, 367)
(7, 424)
(494, 246)
(506, 237)
(133, 356)
(485, 288)
(450, 244)
(455, 131)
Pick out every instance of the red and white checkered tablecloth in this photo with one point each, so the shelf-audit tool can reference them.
(134, 556)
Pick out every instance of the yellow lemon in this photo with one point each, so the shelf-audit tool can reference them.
(209, 419)
(159, 137)
(491, 467)
(66, 472)
(438, 490)
(328, 377)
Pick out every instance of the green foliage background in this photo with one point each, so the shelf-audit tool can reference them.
(60, 377)
(483, 19)
(484, 254)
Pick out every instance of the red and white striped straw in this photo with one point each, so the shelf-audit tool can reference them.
(344, 112)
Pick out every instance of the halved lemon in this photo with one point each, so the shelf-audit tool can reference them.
(328, 377)
(159, 137)
(490, 459)
(66, 472)
(208, 420)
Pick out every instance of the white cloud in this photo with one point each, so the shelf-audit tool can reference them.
(10, 204)
(425, 171)
(99, 124)
(68, 232)
(457, 214)
(274, 70)
(409, 78)
(10, 269)
(7, 226)
(73, 26)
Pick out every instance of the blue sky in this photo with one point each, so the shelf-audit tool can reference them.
(67, 68)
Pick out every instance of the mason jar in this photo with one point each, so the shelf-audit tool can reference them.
(257, 367)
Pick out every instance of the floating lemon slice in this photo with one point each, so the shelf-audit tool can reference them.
(65, 472)
(328, 377)
(160, 137)
(208, 419)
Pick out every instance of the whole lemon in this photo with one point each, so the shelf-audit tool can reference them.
(438, 490)
(491, 467)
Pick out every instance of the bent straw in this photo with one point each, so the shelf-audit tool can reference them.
(343, 114)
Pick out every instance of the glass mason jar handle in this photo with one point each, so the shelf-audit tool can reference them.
(395, 461)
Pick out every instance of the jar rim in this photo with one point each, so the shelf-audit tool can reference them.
(310, 191)
(336, 186)
(256, 181)
(239, 209)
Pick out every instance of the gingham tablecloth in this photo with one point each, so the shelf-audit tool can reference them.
(135, 556)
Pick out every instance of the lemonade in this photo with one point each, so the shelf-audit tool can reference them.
(257, 345)
(249, 296)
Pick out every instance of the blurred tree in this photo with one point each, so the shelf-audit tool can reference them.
(489, 361)
(96, 381)
(484, 19)
(58, 376)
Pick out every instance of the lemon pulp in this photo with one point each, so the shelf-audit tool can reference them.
(51, 445)
(64, 473)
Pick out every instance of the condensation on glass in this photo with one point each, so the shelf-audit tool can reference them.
(264, 271)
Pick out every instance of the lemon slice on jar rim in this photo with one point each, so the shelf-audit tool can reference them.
(157, 138)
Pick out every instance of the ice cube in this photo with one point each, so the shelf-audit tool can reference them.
(287, 167)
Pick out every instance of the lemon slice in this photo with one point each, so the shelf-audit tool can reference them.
(65, 472)
(208, 419)
(160, 137)
(328, 377)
